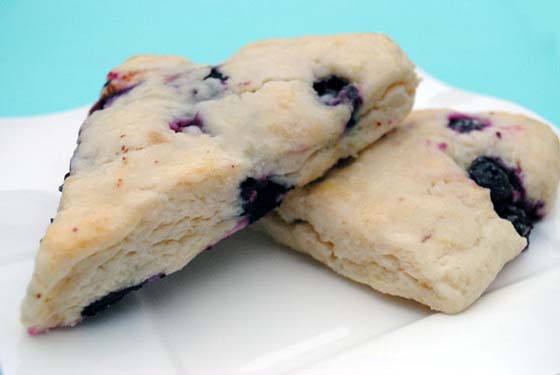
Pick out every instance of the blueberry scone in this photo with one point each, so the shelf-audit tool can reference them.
(432, 211)
(176, 156)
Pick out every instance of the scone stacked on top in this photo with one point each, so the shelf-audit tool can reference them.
(432, 211)
(176, 156)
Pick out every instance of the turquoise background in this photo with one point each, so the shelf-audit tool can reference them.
(54, 54)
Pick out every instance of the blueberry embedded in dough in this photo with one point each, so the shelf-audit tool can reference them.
(107, 100)
(260, 196)
(462, 123)
(61, 187)
(488, 173)
(506, 192)
(110, 299)
(518, 217)
(330, 88)
(217, 74)
(335, 90)
(352, 94)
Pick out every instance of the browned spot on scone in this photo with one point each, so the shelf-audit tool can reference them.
(156, 138)
(75, 229)
(119, 182)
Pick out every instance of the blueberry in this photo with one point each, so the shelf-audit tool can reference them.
(330, 86)
(260, 196)
(105, 302)
(518, 217)
(465, 124)
(507, 193)
(335, 90)
(215, 73)
(487, 173)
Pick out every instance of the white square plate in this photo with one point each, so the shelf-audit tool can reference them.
(251, 306)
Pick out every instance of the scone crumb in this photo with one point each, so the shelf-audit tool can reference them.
(75, 229)
(119, 182)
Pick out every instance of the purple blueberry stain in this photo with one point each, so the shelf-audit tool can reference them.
(506, 192)
(105, 101)
(110, 299)
(334, 90)
(462, 123)
(240, 225)
(179, 124)
(260, 196)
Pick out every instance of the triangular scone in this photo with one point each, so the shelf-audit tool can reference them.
(176, 156)
(407, 216)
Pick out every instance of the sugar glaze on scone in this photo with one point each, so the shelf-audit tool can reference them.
(176, 156)
(432, 211)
